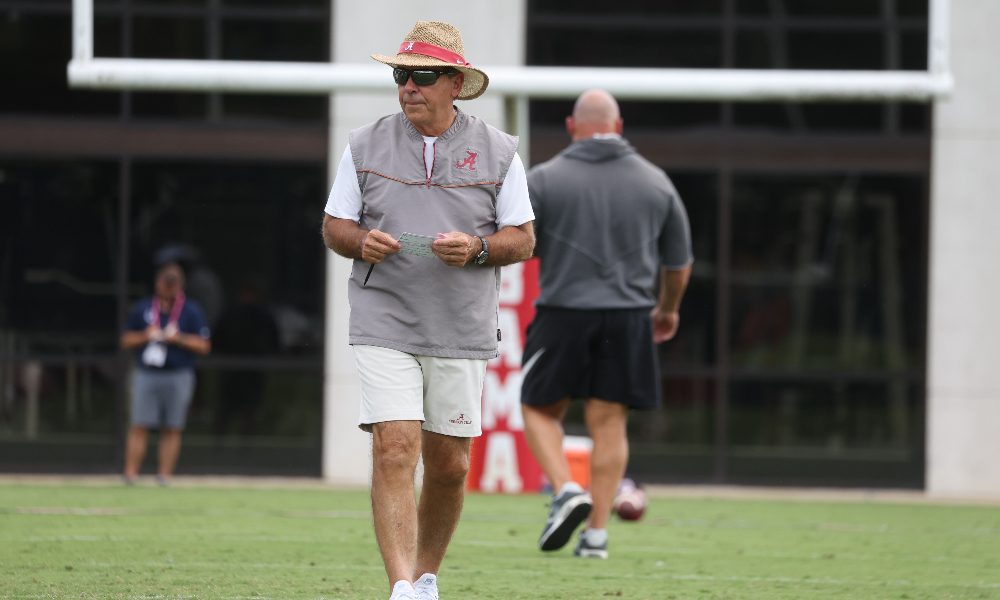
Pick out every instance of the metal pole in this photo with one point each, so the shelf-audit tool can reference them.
(746, 85)
(515, 109)
(122, 358)
(938, 31)
(83, 30)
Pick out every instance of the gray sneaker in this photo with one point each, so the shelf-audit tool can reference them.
(587, 550)
(567, 512)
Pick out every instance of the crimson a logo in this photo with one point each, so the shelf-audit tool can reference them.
(469, 162)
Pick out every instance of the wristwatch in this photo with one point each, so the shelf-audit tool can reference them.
(484, 254)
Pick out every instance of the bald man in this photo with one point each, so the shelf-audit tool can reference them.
(615, 249)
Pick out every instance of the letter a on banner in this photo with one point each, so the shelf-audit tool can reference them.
(501, 459)
(500, 468)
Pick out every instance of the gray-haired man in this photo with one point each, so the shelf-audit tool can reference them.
(429, 203)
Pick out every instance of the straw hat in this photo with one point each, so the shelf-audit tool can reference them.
(437, 44)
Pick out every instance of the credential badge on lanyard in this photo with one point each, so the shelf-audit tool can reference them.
(155, 354)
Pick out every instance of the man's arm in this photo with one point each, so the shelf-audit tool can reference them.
(666, 315)
(351, 240)
(514, 243)
(191, 342)
(131, 340)
(511, 244)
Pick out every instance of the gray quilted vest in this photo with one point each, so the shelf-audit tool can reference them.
(417, 304)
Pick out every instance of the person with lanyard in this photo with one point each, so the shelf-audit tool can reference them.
(430, 202)
(166, 331)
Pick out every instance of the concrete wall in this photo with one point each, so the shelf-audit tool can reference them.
(963, 419)
(493, 33)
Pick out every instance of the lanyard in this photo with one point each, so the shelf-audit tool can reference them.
(175, 310)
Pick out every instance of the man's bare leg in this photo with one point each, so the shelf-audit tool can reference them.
(135, 450)
(606, 423)
(169, 448)
(446, 464)
(543, 431)
(395, 450)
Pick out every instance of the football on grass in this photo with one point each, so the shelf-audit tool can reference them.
(630, 504)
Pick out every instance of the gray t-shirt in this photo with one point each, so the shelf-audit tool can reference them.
(606, 220)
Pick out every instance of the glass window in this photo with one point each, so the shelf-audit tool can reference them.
(755, 49)
(820, 267)
(818, 256)
(848, 433)
(177, 105)
(818, 49)
(694, 344)
(255, 419)
(666, 7)
(240, 107)
(913, 50)
(58, 317)
(34, 51)
(58, 256)
(246, 39)
(840, 117)
(768, 115)
(915, 118)
(640, 116)
(555, 46)
(58, 416)
(277, 4)
(140, 4)
(163, 37)
(209, 215)
(75, 396)
(839, 8)
(753, 7)
(911, 8)
(676, 442)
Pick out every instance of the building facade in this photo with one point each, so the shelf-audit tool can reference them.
(804, 356)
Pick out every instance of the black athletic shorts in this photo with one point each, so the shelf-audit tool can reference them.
(605, 354)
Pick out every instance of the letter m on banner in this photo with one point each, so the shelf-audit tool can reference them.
(501, 459)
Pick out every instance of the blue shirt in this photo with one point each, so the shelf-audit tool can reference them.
(191, 320)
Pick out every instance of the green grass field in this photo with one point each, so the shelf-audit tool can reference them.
(94, 541)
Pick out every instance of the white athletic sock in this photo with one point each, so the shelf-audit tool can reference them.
(402, 589)
(570, 486)
(596, 537)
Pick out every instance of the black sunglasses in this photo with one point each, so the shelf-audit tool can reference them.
(420, 76)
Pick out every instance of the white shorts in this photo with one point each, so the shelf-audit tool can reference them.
(445, 393)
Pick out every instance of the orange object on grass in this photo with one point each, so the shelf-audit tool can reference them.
(577, 450)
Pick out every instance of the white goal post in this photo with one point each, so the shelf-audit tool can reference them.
(86, 71)
(514, 85)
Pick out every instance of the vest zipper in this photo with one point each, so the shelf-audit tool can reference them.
(430, 173)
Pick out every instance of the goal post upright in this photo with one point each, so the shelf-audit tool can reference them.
(87, 71)
(515, 84)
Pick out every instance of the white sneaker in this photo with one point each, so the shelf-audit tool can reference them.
(426, 587)
(403, 590)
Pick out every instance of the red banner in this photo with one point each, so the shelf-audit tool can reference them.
(501, 459)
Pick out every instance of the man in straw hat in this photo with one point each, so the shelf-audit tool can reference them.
(429, 203)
